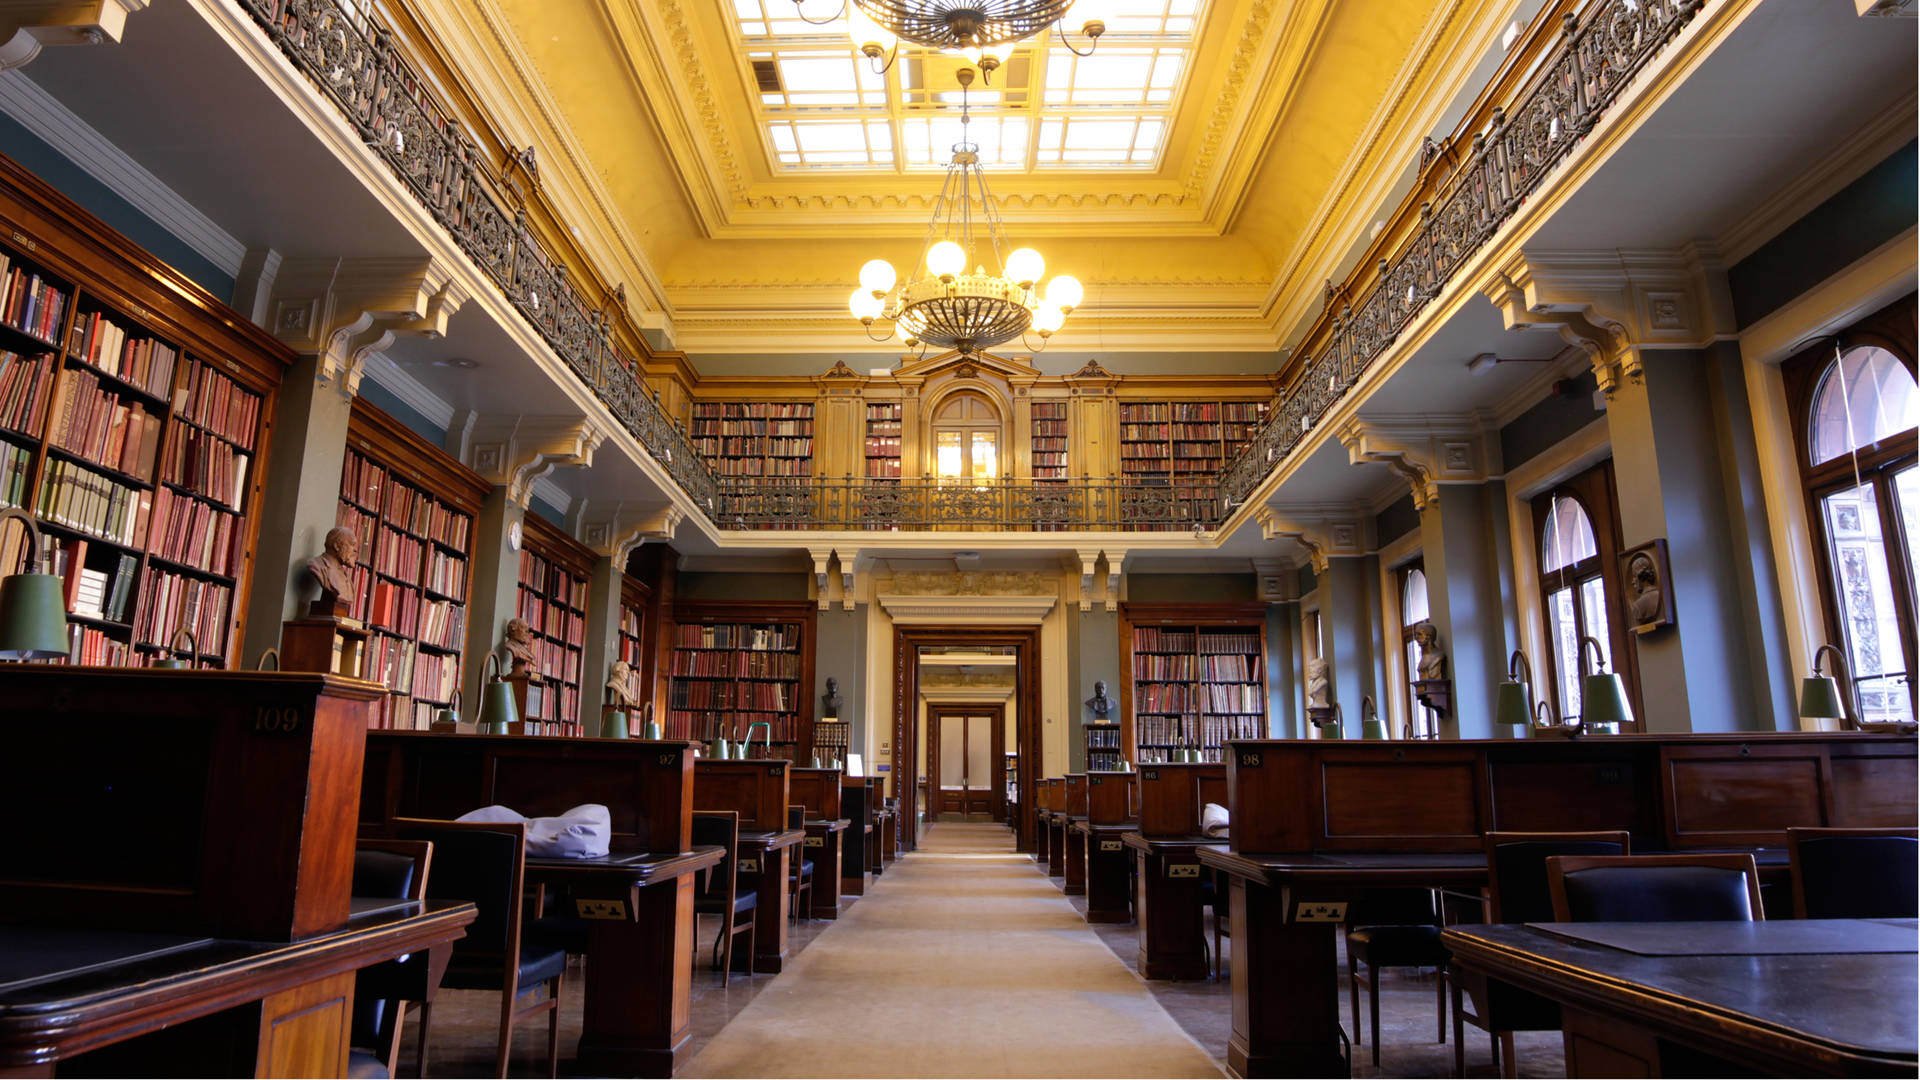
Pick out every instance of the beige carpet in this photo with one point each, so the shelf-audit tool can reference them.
(963, 960)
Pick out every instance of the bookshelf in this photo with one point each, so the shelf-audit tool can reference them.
(755, 438)
(884, 432)
(740, 662)
(135, 412)
(1185, 443)
(1104, 748)
(413, 508)
(1049, 447)
(631, 645)
(552, 597)
(1196, 678)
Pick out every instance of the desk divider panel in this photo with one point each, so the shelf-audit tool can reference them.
(1171, 796)
(757, 788)
(1110, 797)
(646, 786)
(1431, 801)
(199, 802)
(818, 790)
(1074, 794)
(1873, 783)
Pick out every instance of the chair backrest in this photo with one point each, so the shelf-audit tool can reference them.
(1517, 869)
(481, 862)
(719, 828)
(1654, 888)
(796, 817)
(391, 869)
(1394, 907)
(1854, 873)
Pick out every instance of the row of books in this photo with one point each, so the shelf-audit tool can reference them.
(143, 361)
(1163, 698)
(15, 463)
(1190, 411)
(737, 664)
(394, 607)
(775, 697)
(217, 403)
(557, 661)
(443, 623)
(1049, 428)
(883, 445)
(398, 555)
(1050, 460)
(94, 592)
(1215, 642)
(1197, 731)
(550, 619)
(446, 574)
(707, 726)
(755, 410)
(558, 705)
(751, 429)
(1233, 667)
(1155, 639)
(757, 466)
(205, 465)
(435, 678)
(774, 638)
(30, 303)
(1231, 698)
(189, 531)
(883, 468)
(389, 660)
(1049, 444)
(1104, 760)
(25, 382)
(1103, 736)
(362, 481)
(105, 428)
(79, 498)
(170, 601)
(418, 512)
(552, 581)
(90, 646)
(1163, 668)
(733, 446)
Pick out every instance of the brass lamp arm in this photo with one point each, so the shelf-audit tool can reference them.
(1844, 676)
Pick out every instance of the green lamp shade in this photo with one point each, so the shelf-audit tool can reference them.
(497, 709)
(1510, 705)
(33, 617)
(1820, 698)
(1604, 698)
(613, 724)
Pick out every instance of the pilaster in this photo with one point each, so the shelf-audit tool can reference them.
(1339, 544)
(613, 532)
(493, 591)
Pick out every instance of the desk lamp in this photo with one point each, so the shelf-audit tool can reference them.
(1512, 699)
(497, 709)
(33, 605)
(1820, 695)
(1371, 726)
(1603, 695)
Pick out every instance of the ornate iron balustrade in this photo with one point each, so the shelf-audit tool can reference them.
(1597, 56)
(353, 59)
(1096, 504)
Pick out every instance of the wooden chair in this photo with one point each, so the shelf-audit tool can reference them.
(392, 870)
(486, 863)
(1517, 893)
(1854, 873)
(1655, 888)
(721, 895)
(800, 870)
(1388, 929)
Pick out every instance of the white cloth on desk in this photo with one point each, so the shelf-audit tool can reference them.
(583, 832)
(1213, 820)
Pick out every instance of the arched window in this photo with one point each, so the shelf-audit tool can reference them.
(1415, 610)
(1857, 404)
(966, 438)
(1579, 586)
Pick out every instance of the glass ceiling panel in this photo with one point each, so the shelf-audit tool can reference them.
(822, 105)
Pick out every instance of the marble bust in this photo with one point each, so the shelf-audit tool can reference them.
(1100, 705)
(333, 567)
(1433, 662)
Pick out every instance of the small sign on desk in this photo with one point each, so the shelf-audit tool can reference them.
(1321, 911)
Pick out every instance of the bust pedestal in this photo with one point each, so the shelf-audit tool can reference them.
(326, 639)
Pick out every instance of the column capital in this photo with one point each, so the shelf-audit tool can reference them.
(616, 530)
(1426, 451)
(1329, 532)
(344, 310)
(516, 451)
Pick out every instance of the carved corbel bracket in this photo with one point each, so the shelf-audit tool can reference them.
(822, 559)
(344, 310)
(1325, 534)
(515, 452)
(1426, 451)
(617, 532)
(27, 26)
(1089, 562)
(847, 561)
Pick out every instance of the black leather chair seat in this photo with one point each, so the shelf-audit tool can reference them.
(1658, 894)
(1407, 946)
(538, 962)
(806, 870)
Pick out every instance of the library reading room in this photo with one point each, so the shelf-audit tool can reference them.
(959, 538)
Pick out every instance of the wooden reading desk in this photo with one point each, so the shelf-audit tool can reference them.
(1792, 997)
(1168, 891)
(759, 789)
(819, 791)
(1073, 813)
(1109, 872)
(1317, 822)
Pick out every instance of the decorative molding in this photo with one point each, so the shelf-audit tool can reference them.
(1326, 533)
(395, 380)
(1426, 451)
(988, 583)
(617, 531)
(345, 310)
(907, 610)
(59, 127)
(517, 451)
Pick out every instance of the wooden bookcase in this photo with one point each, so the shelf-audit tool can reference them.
(1196, 677)
(554, 570)
(739, 662)
(884, 434)
(632, 643)
(1105, 750)
(1185, 443)
(413, 507)
(755, 438)
(1049, 440)
(135, 415)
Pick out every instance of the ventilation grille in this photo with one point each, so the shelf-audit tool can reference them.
(766, 75)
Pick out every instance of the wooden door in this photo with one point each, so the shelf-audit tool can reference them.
(961, 747)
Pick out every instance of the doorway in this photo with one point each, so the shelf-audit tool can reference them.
(1023, 757)
(966, 762)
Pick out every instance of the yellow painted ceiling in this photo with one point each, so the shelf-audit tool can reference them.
(652, 102)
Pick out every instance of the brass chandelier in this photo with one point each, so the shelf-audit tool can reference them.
(945, 305)
(985, 31)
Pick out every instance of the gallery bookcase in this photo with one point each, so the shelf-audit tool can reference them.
(413, 508)
(1185, 444)
(883, 440)
(135, 417)
(552, 598)
(755, 438)
(1195, 678)
(1049, 441)
(739, 662)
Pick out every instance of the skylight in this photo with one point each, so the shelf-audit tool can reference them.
(822, 106)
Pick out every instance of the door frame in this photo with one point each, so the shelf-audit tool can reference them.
(907, 641)
(995, 714)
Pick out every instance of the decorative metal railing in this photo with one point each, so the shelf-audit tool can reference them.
(1086, 504)
(352, 57)
(1598, 54)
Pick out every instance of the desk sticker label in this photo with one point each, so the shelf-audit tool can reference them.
(1183, 870)
(1323, 911)
(816, 841)
(601, 909)
(1149, 774)
(749, 866)
(1111, 845)
(1249, 759)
